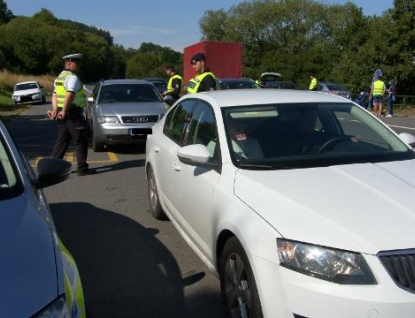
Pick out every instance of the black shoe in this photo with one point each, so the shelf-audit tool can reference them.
(86, 172)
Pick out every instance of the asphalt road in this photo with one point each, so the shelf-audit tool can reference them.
(130, 264)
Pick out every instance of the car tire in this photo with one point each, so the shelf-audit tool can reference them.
(43, 100)
(153, 197)
(239, 292)
(97, 146)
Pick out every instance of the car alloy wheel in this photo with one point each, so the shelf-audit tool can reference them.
(239, 292)
(153, 197)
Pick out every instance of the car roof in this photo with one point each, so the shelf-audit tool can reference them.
(124, 81)
(229, 98)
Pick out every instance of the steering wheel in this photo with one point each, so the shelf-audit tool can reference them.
(333, 141)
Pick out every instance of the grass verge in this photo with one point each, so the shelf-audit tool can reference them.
(8, 111)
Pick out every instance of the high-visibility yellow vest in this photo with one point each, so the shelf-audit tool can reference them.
(378, 88)
(194, 83)
(79, 100)
(313, 84)
(170, 82)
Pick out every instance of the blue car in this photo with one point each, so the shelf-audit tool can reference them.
(39, 277)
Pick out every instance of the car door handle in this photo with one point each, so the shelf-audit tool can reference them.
(177, 167)
(156, 149)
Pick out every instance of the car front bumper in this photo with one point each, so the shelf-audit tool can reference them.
(27, 99)
(113, 134)
(286, 293)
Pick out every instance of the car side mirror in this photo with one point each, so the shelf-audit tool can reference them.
(196, 155)
(407, 138)
(51, 171)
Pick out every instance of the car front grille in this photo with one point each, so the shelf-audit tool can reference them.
(139, 119)
(401, 267)
(26, 98)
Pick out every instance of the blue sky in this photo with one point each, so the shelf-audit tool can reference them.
(168, 23)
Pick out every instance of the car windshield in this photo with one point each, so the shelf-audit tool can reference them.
(285, 136)
(128, 93)
(237, 84)
(10, 185)
(22, 87)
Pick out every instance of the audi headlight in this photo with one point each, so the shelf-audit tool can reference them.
(108, 120)
(58, 308)
(330, 264)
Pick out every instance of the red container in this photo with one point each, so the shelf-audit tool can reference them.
(224, 59)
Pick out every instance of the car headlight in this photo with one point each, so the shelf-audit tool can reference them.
(330, 264)
(108, 120)
(36, 96)
(15, 97)
(58, 308)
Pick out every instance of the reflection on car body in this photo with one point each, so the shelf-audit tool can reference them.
(123, 112)
(39, 276)
(301, 202)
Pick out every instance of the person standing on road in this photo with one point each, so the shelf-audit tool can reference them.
(391, 97)
(205, 80)
(68, 101)
(313, 83)
(377, 92)
(174, 84)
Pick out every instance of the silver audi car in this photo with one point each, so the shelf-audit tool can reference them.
(122, 111)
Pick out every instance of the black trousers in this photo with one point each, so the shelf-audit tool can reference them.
(72, 127)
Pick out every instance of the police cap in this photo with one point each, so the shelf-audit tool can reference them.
(198, 57)
(76, 57)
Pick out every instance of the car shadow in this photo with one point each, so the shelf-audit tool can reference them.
(122, 165)
(125, 270)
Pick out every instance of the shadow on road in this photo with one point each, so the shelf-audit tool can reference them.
(125, 270)
(121, 166)
(34, 134)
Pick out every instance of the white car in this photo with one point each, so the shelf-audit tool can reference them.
(28, 92)
(302, 202)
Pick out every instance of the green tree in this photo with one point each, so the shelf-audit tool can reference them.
(5, 14)
(144, 65)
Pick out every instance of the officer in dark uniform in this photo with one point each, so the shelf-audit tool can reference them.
(205, 80)
(68, 101)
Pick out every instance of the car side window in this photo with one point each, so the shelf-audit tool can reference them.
(203, 128)
(177, 121)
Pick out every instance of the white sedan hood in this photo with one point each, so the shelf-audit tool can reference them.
(359, 207)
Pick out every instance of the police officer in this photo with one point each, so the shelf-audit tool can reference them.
(68, 101)
(313, 83)
(204, 80)
(174, 84)
(377, 92)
